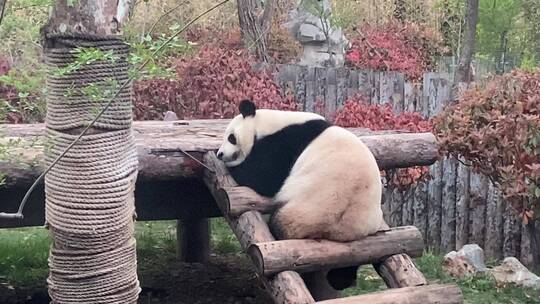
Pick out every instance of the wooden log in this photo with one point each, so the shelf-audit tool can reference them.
(307, 255)
(429, 294)
(238, 200)
(250, 227)
(161, 147)
(193, 237)
(399, 271)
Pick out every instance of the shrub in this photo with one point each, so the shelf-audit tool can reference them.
(358, 113)
(154, 97)
(405, 47)
(216, 79)
(497, 130)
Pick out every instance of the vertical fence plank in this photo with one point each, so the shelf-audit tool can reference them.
(494, 223)
(300, 92)
(386, 201)
(448, 210)
(353, 83)
(320, 85)
(526, 253)
(398, 94)
(511, 232)
(434, 206)
(462, 205)
(330, 98)
(374, 89)
(396, 204)
(478, 195)
(408, 207)
(311, 90)
(342, 81)
(386, 87)
(364, 83)
(420, 208)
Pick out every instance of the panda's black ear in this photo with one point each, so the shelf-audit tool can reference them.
(247, 108)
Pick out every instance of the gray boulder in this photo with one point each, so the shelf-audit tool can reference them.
(469, 260)
(512, 271)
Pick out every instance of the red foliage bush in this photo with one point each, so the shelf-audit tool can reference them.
(358, 113)
(405, 47)
(497, 130)
(156, 96)
(216, 79)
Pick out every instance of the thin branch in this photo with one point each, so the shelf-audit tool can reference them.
(2, 9)
(19, 213)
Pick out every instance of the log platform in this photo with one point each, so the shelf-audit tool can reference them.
(279, 263)
(171, 185)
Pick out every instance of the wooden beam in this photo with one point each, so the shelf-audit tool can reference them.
(429, 294)
(399, 271)
(237, 200)
(305, 255)
(250, 228)
(193, 237)
(160, 147)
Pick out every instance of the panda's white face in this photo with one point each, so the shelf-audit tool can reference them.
(251, 125)
(238, 140)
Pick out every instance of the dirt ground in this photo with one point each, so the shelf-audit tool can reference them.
(228, 279)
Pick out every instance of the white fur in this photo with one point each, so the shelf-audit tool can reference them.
(333, 192)
(265, 122)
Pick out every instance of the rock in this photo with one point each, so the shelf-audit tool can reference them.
(310, 32)
(323, 45)
(512, 271)
(169, 116)
(469, 260)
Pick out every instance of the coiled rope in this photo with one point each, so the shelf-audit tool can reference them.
(89, 193)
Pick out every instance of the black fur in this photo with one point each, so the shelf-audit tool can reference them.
(247, 108)
(341, 278)
(272, 157)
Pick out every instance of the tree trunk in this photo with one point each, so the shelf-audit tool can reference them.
(255, 29)
(90, 194)
(463, 72)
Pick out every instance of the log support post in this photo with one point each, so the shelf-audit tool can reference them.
(193, 237)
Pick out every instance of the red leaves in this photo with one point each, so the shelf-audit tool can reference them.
(209, 86)
(357, 113)
(497, 129)
(405, 47)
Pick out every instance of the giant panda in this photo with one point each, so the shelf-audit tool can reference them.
(326, 180)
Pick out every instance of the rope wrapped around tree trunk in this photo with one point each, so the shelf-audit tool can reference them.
(90, 208)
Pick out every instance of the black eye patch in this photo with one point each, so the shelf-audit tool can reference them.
(232, 139)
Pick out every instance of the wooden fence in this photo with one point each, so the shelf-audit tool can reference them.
(453, 208)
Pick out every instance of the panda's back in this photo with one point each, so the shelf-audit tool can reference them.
(272, 157)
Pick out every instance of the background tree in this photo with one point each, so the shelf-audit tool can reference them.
(255, 22)
(463, 71)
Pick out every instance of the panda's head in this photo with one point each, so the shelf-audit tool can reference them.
(239, 135)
